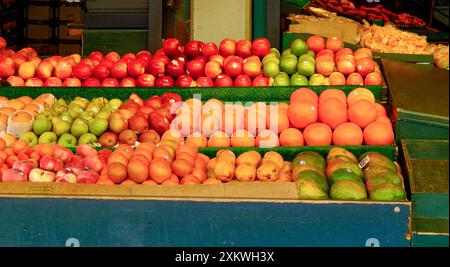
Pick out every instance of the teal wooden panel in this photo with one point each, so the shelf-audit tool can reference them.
(419, 130)
(51, 222)
(429, 240)
(431, 205)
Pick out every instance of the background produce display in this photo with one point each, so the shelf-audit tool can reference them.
(321, 62)
(372, 14)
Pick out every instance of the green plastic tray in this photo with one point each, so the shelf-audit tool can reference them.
(243, 94)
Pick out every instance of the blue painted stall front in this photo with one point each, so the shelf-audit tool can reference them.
(191, 223)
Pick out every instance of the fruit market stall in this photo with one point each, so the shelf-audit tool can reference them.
(310, 160)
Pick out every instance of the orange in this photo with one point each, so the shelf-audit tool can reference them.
(21, 116)
(360, 93)
(159, 170)
(186, 148)
(213, 106)
(15, 104)
(138, 170)
(20, 146)
(128, 182)
(301, 114)
(380, 109)
(219, 139)
(317, 134)
(277, 119)
(210, 123)
(146, 158)
(291, 137)
(333, 93)
(126, 149)
(25, 99)
(33, 108)
(242, 138)
(162, 153)
(304, 95)
(118, 157)
(173, 180)
(384, 119)
(190, 180)
(181, 167)
(7, 110)
(169, 142)
(146, 145)
(197, 139)
(212, 181)
(332, 112)
(233, 118)
(3, 121)
(117, 172)
(362, 112)
(150, 182)
(186, 156)
(378, 134)
(200, 163)
(173, 135)
(255, 117)
(348, 134)
(200, 174)
(267, 138)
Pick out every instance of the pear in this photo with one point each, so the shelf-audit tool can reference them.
(86, 115)
(65, 116)
(99, 101)
(98, 126)
(67, 140)
(79, 127)
(82, 102)
(30, 138)
(87, 138)
(93, 108)
(48, 138)
(103, 114)
(115, 102)
(75, 109)
(61, 127)
(41, 125)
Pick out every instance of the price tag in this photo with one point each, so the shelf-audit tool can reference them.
(364, 162)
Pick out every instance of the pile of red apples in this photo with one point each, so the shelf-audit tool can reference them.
(232, 63)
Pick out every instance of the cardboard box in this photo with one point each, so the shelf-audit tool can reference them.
(36, 31)
(70, 13)
(68, 49)
(39, 13)
(349, 32)
(64, 33)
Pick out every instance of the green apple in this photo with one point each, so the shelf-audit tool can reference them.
(79, 127)
(65, 116)
(306, 68)
(93, 108)
(86, 115)
(67, 140)
(98, 126)
(316, 80)
(115, 102)
(311, 53)
(271, 68)
(298, 80)
(103, 114)
(289, 64)
(299, 47)
(48, 138)
(269, 57)
(287, 51)
(30, 138)
(282, 79)
(275, 52)
(87, 138)
(61, 127)
(307, 57)
(41, 124)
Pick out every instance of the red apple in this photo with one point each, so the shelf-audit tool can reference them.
(373, 78)
(119, 69)
(260, 81)
(72, 82)
(112, 56)
(110, 82)
(175, 68)
(19, 59)
(210, 49)
(261, 47)
(145, 110)
(154, 101)
(108, 139)
(325, 53)
(252, 68)
(129, 56)
(6, 67)
(15, 81)
(195, 68)
(158, 122)
(213, 69)
(2, 43)
(193, 49)
(28, 52)
(128, 82)
(144, 55)
(362, 53)
(181, 58)
(217, 58)
(91, 82)
(27, 70)
(355, 79)
(156, 67)
(54, 82)
(82, 71)
(34, 82)
(346, 66)
(101, 71)
(185, 81)
(88, 61)
(343, 51)
(7, 53)
(205, 82)
(242, 81)
(164, 81)
(227, 47)
(244, 48)
(96, 54)
(137, 67)
(170, 98)
(223, 80)
(138, 123)
(145, 80)
(171, 47)
(232, 66)
(63, 70)
(365, 66)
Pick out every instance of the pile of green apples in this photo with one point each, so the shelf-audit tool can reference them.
(68, 124)
(295, 66)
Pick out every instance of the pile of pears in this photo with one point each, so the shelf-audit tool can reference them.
(69, 123)
(295, 66)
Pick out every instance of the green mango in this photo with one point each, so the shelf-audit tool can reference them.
(320, 179)
(309, 167)
(387, 192)
(309, 158)
(338, 164)
(348, 189)
(374, 172)
(308, 188)
(392, 178)
(342, 174)
(341, 152)
(377, 160)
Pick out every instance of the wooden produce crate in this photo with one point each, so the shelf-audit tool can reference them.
(418, 99)
(426, 166)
